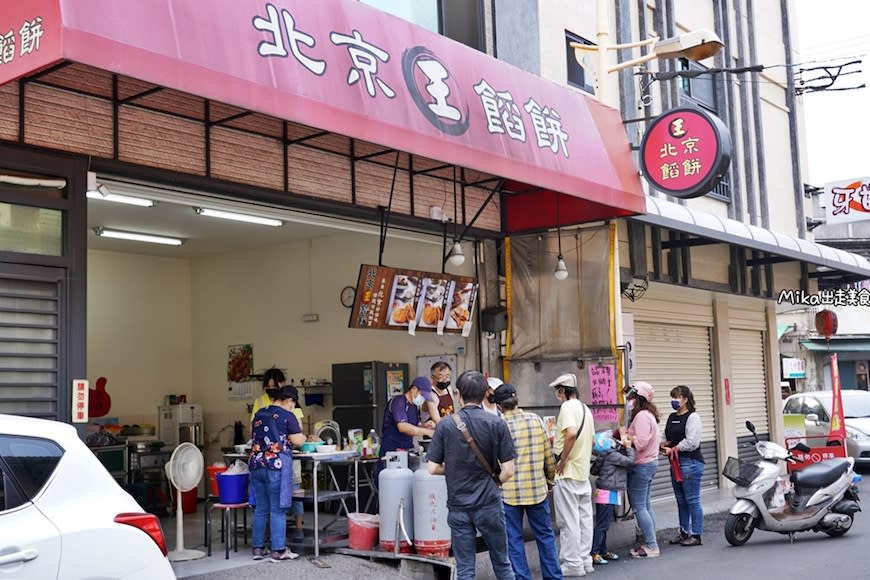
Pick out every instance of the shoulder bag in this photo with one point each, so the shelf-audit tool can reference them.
(463, 428)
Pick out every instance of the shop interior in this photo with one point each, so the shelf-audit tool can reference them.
(163, 318)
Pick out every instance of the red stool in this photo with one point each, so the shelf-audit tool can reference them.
(225, 524)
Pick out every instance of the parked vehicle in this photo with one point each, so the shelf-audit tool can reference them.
(815, 406)
(821, 498)
(62, 515)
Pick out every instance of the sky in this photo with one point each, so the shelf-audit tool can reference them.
(837, 123)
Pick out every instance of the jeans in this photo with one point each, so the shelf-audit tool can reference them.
(639, 480)
(573, 502)
(688, 496)
(539, 522)
(489, 521)
(267, 491)
(603, 519)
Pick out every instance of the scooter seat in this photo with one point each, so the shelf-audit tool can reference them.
(820, 474)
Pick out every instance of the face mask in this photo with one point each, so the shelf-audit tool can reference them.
(442, 384)
(419, 400)
(675, 405)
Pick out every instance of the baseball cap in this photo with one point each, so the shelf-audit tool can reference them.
(425, 386)
(643, 389)
(494, 382)
(503, 392)
(565, 380)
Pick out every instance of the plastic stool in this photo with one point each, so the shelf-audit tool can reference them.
(227, 508)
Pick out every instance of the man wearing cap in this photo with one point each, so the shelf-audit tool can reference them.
(572, 492)
(402, 418)
(526, 493)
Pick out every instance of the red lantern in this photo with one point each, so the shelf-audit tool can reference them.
(826, 323)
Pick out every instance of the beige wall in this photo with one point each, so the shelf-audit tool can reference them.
(139, 331)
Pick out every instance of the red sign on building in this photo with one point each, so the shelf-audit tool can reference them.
(685, 152)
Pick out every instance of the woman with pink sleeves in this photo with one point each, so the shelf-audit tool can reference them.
(644, 430)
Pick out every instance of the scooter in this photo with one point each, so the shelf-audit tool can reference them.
(820, 497)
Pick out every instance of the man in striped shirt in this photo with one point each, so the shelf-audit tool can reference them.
(527, 491)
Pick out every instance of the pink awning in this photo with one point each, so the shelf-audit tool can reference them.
(347, 68)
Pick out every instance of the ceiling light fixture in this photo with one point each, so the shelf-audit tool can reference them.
(561, 272)
(100, 191)
(137, 237)
(456, 257)
(239, 217)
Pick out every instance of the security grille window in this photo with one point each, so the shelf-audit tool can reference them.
(460, 20)
(578, 76)
(700, 91)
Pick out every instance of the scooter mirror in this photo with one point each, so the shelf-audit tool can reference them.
(750, 426)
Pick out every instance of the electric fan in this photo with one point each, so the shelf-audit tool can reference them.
(184, 471)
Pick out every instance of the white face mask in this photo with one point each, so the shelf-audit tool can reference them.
(419, 400)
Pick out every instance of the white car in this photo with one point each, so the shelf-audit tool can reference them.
(815, 406)
(62, 515)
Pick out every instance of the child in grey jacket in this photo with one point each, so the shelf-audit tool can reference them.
(613, 459)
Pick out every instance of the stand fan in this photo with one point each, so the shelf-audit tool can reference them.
(184, 471)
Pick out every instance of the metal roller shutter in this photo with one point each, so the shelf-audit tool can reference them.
(668, 355)
(29, 345)
(748, 382)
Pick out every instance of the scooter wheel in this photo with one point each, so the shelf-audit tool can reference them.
(739, 528)
(836, 533)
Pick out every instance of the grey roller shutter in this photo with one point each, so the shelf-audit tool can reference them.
(668, 355)
(748, 380)
(29, 343)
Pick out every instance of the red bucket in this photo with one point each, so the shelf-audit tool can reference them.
(213, 470)
(362, 531)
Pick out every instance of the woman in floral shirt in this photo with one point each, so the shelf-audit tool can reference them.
(275, 431)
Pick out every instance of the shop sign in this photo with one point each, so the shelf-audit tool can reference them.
(348, 68)
(685, 152)
(30, 37)
(847, 200)
(413, 300)
(793, 368)
(80, 401)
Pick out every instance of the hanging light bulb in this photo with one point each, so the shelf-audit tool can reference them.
(456, 257)
(561, 272)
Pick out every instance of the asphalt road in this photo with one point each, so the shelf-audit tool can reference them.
(813, 556)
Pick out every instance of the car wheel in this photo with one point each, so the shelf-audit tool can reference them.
(841, 530)
(739, 528)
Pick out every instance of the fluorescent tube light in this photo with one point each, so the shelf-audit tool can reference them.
(239, 217)
(137, 237)
(102, 192)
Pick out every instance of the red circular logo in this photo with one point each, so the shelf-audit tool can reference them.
(685, 152)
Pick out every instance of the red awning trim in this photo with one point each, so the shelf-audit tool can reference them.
(345, 67)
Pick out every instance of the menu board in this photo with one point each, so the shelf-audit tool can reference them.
(413, 300)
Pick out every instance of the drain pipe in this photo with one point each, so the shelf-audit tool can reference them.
(761, 164)
(800, 215)
(722, 9)
(746, 113)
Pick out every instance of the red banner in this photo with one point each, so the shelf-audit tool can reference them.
(30, 37)
(345, 67)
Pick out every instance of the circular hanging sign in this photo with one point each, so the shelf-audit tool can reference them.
(685, 152)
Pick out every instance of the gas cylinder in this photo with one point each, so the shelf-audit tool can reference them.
(431, 532)
(395, 490)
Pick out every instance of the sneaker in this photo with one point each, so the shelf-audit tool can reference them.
(598, 560)
(692, 541)
(679, 538)
(588, 568)
(610, 556)
(259, 553)
(284, 554)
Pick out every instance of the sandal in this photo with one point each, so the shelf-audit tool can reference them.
(610, 556)
(644, 552)
(598, 560)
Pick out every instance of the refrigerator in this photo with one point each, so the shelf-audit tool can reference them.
(360, 392)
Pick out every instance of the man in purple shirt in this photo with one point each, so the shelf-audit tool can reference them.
(402, 417)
